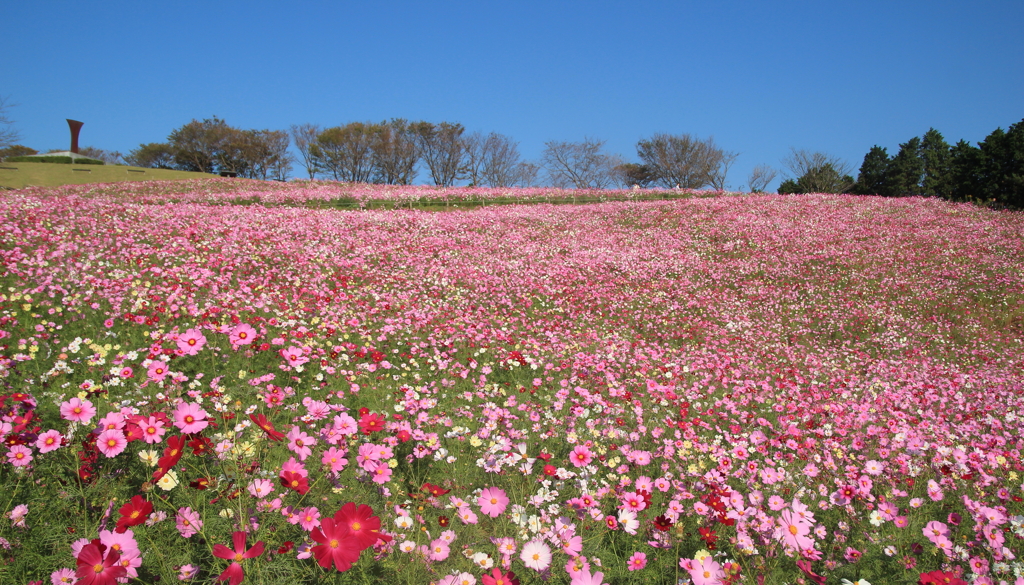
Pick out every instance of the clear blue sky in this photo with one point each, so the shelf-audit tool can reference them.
(760, 77)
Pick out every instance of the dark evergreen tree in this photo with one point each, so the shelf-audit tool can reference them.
(1002, 166)
(906, 169)
(964, 172)
(935, 155)
(873, 171)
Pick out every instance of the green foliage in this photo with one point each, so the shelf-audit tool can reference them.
(155, 155)
(903, 177)
(873, 172)
(16, 150)
(62, 160)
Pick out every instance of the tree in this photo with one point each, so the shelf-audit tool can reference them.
(304, 136)
(110, 157)
(1002, 166)
(394, 153)
(346, 151)
(490, 160)
(816, 172)
(935, 154)
(760, 178)
(964, 171)
(155, 155)
(8, 135)
(526, 174)
(198, 145)
(263, 152)
(16, 150)
(442, 149)
(582, 165)
(874, 172)
(906, 169)
(685, 161)
(633, 174)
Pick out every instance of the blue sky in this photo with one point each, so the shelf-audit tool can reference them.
(760, 77)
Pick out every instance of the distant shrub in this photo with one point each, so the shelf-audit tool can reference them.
(62, 160)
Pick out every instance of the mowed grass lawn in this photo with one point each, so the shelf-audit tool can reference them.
(20, 175)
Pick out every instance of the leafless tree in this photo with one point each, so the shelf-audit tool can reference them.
(110, 157)
(501, 162)
(817, 172)
(760, 177)
(442, 149)
(583, 165)
(394, 153)
(526, 174)
(267, 152)
(8, 135)
(304, 135)
(685, 161)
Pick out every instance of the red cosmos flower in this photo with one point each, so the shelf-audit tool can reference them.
(172, 455)
(940, 578)
(337, 545)
(296, 481)
(364, 526)
(234, 571)
(262, 422)
(371, 422)
(434, 490)
(663, 523)
(133, 513)
(805, 566)
(96, 569)
(201, 445)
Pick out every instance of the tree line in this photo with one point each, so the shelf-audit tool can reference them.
(991, 171)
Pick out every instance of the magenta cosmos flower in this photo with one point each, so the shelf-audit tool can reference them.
(492, 501)
(581, 456)
(190, 418)
(242, 334)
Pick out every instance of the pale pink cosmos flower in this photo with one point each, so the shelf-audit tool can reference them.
(382, 473)
(293, 356)
(585, 577)
(19, 456)
(335, 459)
(633, 501)
(63, 577)
(187, 522)
(190, 418)
(439, 550)
(703, 571)
(17, 515)
(795, 531)
(77, 410)
(260, 488)
(111, 442)
(536, 555)
(467, 516)
(492, 501)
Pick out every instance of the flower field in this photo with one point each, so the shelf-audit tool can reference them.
(202, 384)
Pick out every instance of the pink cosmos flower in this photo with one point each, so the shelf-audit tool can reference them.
(585, 577)
(309, 518)
(439, 550)
(300, 443)
(111, 442)
(152, 430)
(260, 488)
(191, 341)
(49, 441)
(293, 356)
(581, 456)
(242, 334)
(62, 577)
(187, 522)
(17, 515)
(637, 561)
(467, 516)
(335, 459)
(157, 371)
(77, 410)
(536, 555)
(633, 501)
(795, 531)
(935, 531)
(492, 501)
(19, 456)
(703, 572)
(190, 418)
(381, 473)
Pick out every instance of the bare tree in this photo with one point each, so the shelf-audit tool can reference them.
(8, 135)
(816, 172)
(266, 151)
(582, 165)
(499, 160)
(526, 174)
(304, 135)
(110, 157)
(394, 153)
(685, 161)
(760, 177)
(442, 148)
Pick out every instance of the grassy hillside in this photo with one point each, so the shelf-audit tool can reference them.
(18, 175)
